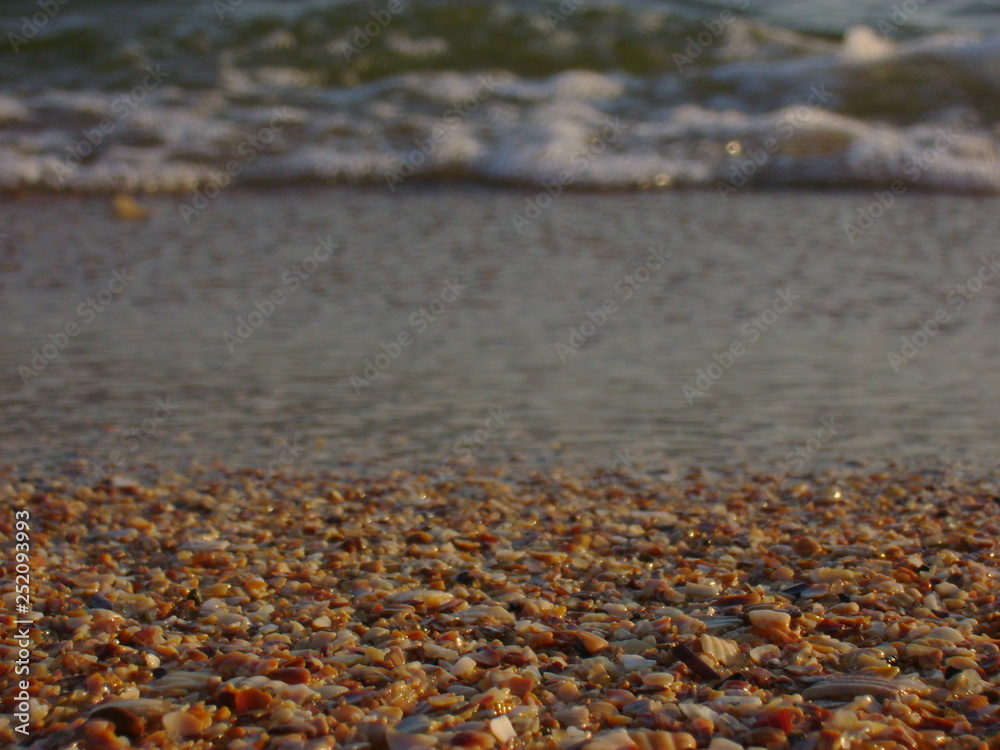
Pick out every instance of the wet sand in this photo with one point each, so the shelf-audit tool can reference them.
(592, 610)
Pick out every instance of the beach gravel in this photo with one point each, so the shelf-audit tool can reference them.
(586, 610)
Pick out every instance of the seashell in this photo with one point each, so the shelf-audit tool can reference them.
(724, 651)
(815, 591)
(965, 682)
(205, 545)
(702, 589)
(290, 675)
(463, 666)
(180, 724)
(250, 699)
(502, 729)
(851, 685)
(721, 743)
(444, 700)
(592, 643)
(125, 721)
(806, 546)
(615, 739)
(661, 740)
(945, 633)
(698, 666)
(475, 740)
(487, 614)
(634, 662)
(406, 741)
(99, 736)
(737, 600)
(426, 597)
(578, 716)
(299, 694)
(181, 683)
(762, 654)
(769, 619)
(829, 575)
(658, 679)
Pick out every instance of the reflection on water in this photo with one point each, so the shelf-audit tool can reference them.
(459, 317)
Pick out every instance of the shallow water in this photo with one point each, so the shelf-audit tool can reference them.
(619, 396)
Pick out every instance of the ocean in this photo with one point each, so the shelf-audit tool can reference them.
(627, 234)
(613, 95)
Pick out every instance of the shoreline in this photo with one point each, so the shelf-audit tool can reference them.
(561, 610)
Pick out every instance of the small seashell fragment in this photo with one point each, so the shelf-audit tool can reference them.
(250, 699)
(406, 741)
(502, 729)
(443, 700)
(485, 614)
(851, 685)
(577, 716)
(702, 589)
(721, 743)
(657, 679)
(290, 675)
(945, 633)
(463, 666)
(761, 654)
(616, 739)
(769, 619)
(661, 740)
(126, 722)
(724, 651)
(695, 663)
(829, 575)
(806, 546)
(180, 724)
(591, 642)
(425, 597)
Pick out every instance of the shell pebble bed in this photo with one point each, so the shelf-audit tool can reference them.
(589, 610)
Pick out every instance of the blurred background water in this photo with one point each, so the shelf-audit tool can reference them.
(492, 351)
